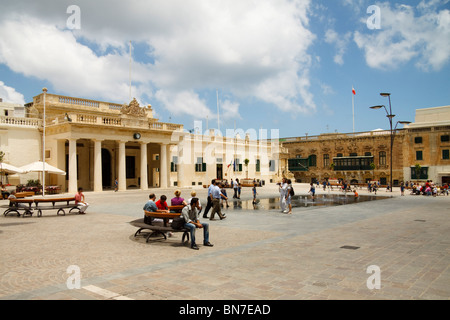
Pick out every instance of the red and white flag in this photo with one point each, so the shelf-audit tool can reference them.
(353, 91)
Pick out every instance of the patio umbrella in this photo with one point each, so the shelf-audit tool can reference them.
(6, 169)
(38, 167)
(10, 169)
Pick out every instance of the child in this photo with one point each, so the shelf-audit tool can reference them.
(254, 196)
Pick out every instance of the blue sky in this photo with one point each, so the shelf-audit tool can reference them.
(276, 64)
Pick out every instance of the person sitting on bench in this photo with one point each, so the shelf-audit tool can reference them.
(190, 215)
(150, 206)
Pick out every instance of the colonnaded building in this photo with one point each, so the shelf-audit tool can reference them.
(420, 153)
(97, 142)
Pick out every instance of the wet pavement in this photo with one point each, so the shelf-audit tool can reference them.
(338, 252)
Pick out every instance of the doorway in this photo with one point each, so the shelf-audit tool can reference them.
(219, 171)
(106, 169)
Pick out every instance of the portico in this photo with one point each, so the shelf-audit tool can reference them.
(96, 143)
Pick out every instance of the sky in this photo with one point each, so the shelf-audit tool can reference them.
(287, 66)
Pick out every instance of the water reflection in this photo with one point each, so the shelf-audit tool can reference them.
(324, 200)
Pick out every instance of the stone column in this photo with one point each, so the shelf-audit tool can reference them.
(163, 166)
(180, 166)
(98, 183)
(144, 173)
(122, 167)
(73, 176)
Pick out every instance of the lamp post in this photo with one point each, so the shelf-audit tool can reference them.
(390, 116)
(43, 146)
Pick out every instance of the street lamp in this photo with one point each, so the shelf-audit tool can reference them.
(44, 90)
(390, 116)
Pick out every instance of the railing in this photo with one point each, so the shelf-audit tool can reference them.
(102, 121)
(332, 136)
(17, 121)
(79, 102)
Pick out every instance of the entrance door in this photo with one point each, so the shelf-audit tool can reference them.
(219, 171)
(106, 169)
(446, 180)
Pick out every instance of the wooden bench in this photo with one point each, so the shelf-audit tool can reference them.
(24, 194)
(51, 204)
(15, 208)
(176, 209)
(158, 227)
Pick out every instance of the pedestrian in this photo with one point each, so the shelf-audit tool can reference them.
(116, 185)
(254, 195)
(208, 200)
(216, 195)
(288, 196)
(312, 190)
(402, 189)
(282, 188)
(235, 187)
(239, 189)
(224, 192)
(80, 201)
(190, 215)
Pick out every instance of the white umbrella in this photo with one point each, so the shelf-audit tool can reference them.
(38, 167)
(10, 169)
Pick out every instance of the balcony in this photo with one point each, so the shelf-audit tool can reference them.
(353, 163)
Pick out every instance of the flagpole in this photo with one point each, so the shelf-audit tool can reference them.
(43, 147)
(353, 107)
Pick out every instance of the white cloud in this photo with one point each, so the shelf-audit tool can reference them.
(36, 49)
(242, 48)
(405, 37)
(9, 94)
(340, 42)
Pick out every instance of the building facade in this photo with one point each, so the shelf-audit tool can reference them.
(420, 153)
(97, 142)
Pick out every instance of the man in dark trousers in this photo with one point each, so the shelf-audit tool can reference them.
(209, 200)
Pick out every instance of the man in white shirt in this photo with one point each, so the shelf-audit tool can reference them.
(190, 213)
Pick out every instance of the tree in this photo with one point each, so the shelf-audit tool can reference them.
(246, 162)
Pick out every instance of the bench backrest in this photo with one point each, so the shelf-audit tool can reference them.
(55, 200)
(176, 209)
(162, 215)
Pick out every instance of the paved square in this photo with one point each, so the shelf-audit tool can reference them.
(257, 254)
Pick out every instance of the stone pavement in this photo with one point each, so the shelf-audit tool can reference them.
(257, 255)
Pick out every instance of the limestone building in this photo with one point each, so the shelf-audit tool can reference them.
(420, 153)
(95, 142)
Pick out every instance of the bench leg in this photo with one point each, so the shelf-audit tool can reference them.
(39, 214)
(7, 211)
(155, 233)
(138, 232)
(27, 212)
(61, 210)
(75, 208)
